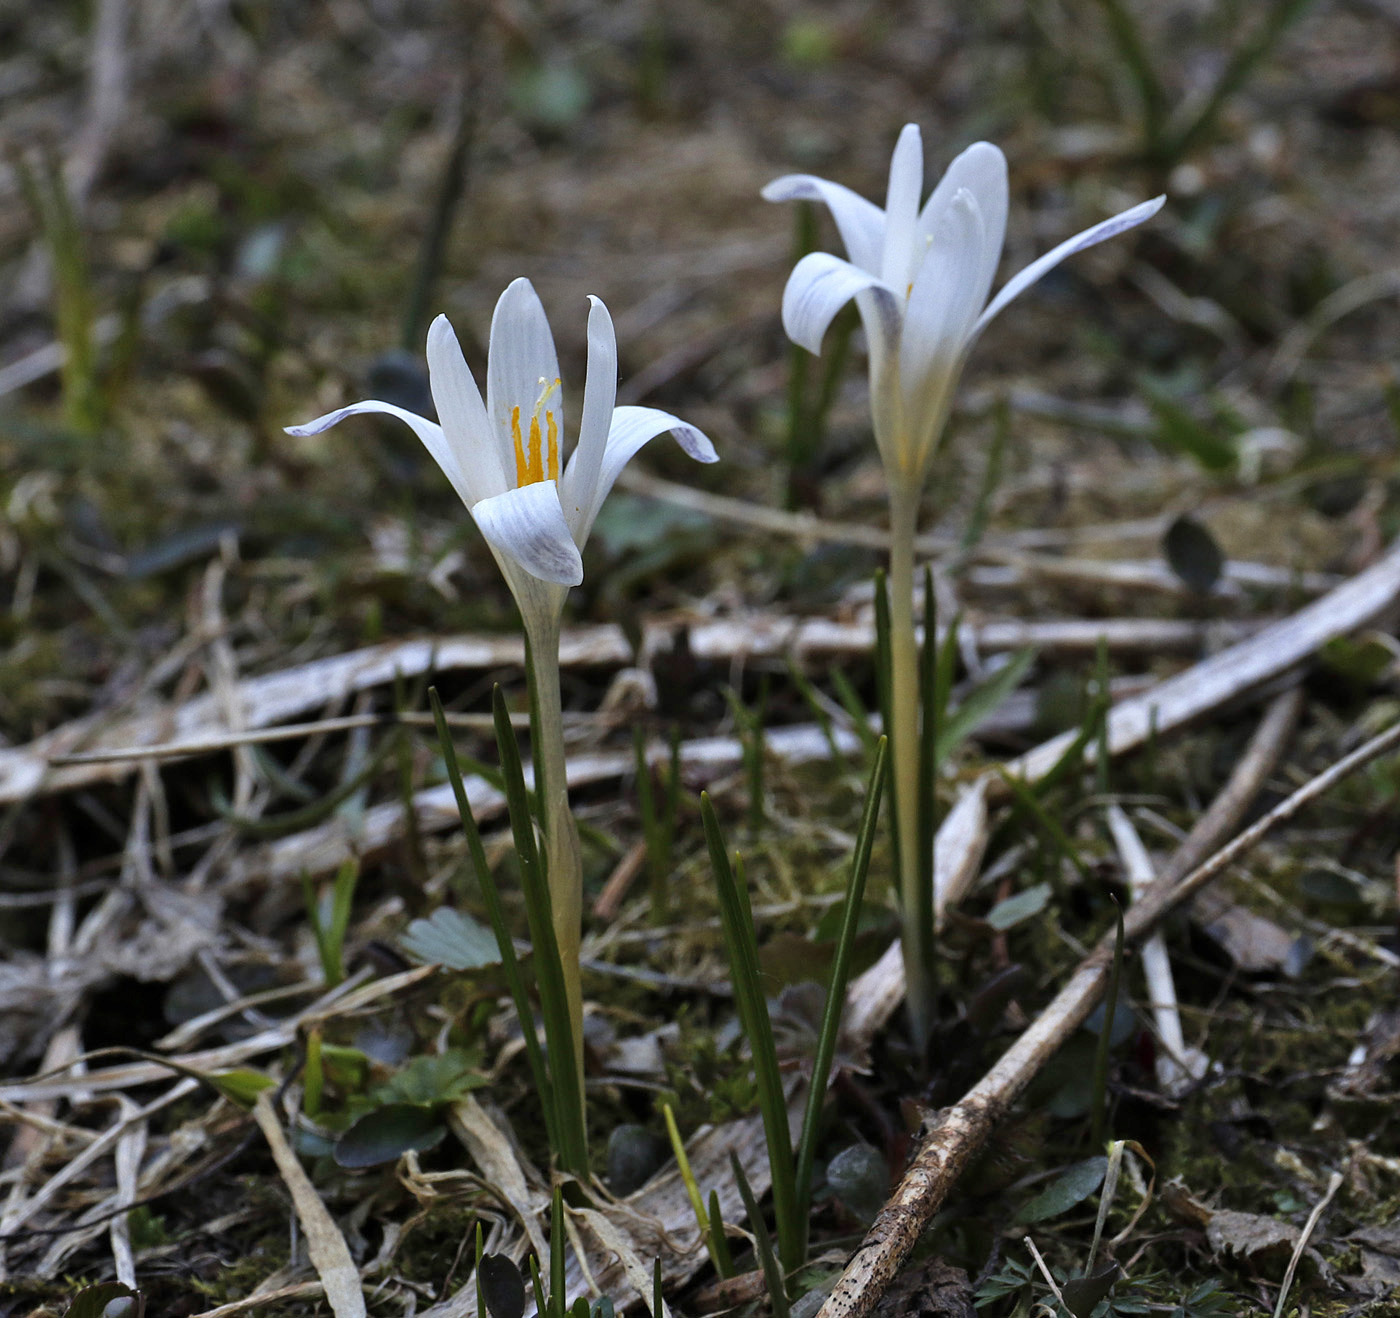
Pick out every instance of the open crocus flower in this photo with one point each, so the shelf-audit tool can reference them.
(503, 456)
(921, 277)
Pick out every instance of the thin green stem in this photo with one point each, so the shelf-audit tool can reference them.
(563, 856)
(904, 755)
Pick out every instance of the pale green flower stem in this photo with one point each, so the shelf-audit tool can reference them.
(563, 857)
(905, 709)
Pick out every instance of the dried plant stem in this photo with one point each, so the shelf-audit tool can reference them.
(1334, 1183)
(963, 1127)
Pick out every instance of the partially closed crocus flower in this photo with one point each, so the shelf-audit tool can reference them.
(921, 277)
(504, 456)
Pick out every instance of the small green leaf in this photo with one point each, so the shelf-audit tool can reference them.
(860, 1177)
(1193, 554)
(452, 940)
(1020, 908)
(1178, 429)
(1331, 887)
(1074, 1185)
(108, 1299)
(241, 1085)
(502, 1286)
(429, 1080)
(1361, 661)
(1083, 1293)
(388, 1132)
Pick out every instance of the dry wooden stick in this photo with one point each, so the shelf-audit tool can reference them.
(961, 1129)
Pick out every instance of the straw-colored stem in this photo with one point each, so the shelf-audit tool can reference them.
(563, 858)
(905, 707)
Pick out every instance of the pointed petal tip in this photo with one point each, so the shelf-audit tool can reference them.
(695, 443)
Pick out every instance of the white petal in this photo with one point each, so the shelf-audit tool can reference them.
(860, 223)
(820, 285)
(943, 305)
(1110, 228)
(946, 295)
(428, 431)
(981, 169)
(580, 482)
(463, 415)
(631, 428)
(527, 526)
(902, 207)
(521, 364)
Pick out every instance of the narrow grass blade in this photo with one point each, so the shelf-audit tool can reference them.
(542, 1308)
(556, 1251)
(855, 708)
(884, 682)
(657, 846)
(763, 1246)
(944, 668)
(1133, 53)
(816, 704)
(1030, 803)
(549, 970)
(480, 1236)
(981, 702)
(495, 912)
(836, 986)
(692, 1189)
(991, 480)
(1110, 1008)
(1236, 73)
(718, 1242)
(737, 920)
(313, 1081)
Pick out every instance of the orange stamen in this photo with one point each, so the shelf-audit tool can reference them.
(522, 471)
(537, 455)
(536, 462)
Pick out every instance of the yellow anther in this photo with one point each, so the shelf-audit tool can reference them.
(531, 460)
(522, 471)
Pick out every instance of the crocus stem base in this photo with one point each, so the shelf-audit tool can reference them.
(563, 856)
(905, 709)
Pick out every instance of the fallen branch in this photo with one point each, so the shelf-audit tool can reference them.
(962, 1129)
(106, 748)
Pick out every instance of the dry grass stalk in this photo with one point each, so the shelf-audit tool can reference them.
(325, 1245)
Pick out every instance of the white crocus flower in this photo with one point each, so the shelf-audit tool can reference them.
(504, 456)
(921, 277)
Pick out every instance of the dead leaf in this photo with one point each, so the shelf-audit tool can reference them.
(932, 1290)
